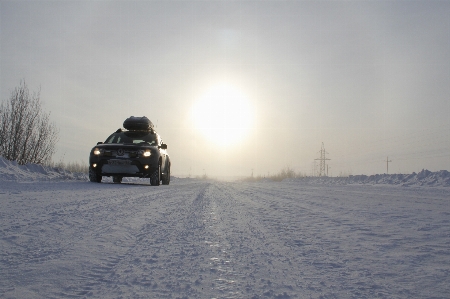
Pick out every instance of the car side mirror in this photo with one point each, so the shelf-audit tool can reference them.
(163, 146)
(99, 142)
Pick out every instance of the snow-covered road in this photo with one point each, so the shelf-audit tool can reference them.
(198, 239)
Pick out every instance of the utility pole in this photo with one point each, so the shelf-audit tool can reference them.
(387, 165)
(322, 160)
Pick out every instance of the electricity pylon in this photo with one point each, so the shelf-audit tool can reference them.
(387, 165)
(322, 160)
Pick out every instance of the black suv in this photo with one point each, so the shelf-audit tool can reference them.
(136, 152)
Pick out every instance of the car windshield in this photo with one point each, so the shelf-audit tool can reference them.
(132, 137)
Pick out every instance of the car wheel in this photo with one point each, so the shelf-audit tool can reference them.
(166, 178)
(155, 177)
(117, 179)
(94, 177)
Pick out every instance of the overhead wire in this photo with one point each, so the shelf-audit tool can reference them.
(429, 143)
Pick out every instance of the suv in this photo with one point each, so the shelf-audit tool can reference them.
(136, 152)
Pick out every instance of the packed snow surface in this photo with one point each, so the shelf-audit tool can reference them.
(70, 238)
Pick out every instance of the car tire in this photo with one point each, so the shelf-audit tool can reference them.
(117, 179)
(166, 178)
(155, 177)
(94, 177)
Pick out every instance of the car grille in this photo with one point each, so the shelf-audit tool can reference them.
(126, 153)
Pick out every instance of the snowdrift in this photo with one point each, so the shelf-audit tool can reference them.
(11, 171)
(423, 178)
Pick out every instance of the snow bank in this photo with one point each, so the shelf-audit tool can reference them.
(423, 178)
(11, 171)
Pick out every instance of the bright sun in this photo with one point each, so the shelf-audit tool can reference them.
(223, 115)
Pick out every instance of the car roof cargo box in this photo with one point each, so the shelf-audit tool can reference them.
(137, 123)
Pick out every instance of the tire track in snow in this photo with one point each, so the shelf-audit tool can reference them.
(165, 259)
(245, 261)
(356, 241)
(223, 279)
(146, 267)
(89, 222)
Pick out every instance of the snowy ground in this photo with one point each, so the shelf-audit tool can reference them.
(70, 238)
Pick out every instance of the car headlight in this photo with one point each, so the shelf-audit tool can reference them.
(98, 151)
(146, 153)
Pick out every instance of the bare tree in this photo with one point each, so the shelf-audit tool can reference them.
(26, 133)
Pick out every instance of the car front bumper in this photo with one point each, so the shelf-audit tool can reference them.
(129, 167)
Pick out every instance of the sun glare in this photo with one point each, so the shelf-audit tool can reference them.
(223, 115)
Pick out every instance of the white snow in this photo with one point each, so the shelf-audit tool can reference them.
(11, 171)
(64, 237)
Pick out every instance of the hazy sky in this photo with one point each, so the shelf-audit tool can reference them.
(369, 79)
